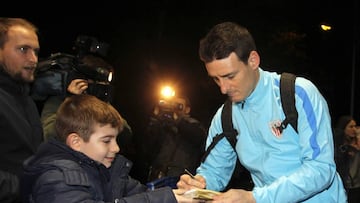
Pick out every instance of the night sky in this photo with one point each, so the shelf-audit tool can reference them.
(154, 42)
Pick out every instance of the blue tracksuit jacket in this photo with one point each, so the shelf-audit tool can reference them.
(287, 166)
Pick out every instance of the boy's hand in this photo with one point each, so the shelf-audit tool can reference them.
(182, 199)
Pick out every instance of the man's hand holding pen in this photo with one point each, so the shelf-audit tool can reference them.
(189, 173)
(188, 181)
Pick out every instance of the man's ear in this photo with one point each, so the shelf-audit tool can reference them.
(73, 140)
(187, 110)
(254, 59)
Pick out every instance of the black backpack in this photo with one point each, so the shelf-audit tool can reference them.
(241, 177)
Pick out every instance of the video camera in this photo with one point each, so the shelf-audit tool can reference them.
(54, 74)
(167, 108)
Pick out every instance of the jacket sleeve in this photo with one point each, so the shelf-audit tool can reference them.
(127, 189)
(48, 116)
(51, 186)
(160, 195)
(132, 191)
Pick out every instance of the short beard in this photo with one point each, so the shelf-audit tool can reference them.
(18, 78)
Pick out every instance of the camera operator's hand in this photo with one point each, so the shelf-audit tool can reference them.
(77, 86)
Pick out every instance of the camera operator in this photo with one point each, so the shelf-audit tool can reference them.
(62, 75)
(174, 141)
(76, 84)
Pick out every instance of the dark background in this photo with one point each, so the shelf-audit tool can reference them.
(154, 42)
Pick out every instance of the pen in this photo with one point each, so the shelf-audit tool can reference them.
(190, 174)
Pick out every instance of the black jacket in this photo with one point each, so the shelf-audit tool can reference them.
(20, 133)
(59, 174)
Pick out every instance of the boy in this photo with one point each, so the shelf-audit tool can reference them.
(82, 163)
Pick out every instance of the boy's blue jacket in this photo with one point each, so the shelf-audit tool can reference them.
(56, 173)
(287, 166)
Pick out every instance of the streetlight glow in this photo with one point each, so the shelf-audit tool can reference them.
(325, 27)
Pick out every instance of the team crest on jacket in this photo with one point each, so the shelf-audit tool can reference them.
(275, 128)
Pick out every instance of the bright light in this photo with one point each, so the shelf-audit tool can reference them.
(110, 76)
(325, 27)
(167, 92)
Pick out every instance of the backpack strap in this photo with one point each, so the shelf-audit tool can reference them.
(227, 124)
(241, 177)
(216, 139)
(228, 131)
(287, 94)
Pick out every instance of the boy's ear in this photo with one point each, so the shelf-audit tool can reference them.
(73, 140)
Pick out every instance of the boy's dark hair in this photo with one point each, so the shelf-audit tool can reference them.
(80, 113)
